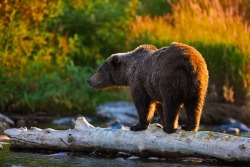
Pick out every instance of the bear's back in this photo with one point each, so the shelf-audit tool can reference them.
(178, 65)
(178, 55)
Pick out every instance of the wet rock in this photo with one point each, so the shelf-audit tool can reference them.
(68, 121)
(232, 130)
(124, 111)
(4, 125)
(231, 126)
(6, 119)
(118, 125)
(5, 122)
(242, 127)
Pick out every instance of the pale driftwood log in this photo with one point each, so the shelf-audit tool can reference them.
(151, 142)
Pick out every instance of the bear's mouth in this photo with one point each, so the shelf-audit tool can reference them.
(96, 85)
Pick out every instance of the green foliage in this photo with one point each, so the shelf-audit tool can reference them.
(51, 91)
(155, 7)
(97, 27)
(48, 48)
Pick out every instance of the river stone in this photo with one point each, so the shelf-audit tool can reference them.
(68, 121)
(5, 122)
(123, 111)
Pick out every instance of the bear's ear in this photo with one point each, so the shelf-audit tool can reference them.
(115, 61)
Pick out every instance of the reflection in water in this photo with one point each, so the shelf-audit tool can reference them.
(12, 158)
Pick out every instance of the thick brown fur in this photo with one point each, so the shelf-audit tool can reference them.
(164, 79)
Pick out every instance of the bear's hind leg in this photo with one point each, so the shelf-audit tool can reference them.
(159, 111)
(171, 112)
(193, 110)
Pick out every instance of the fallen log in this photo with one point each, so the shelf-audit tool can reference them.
(152, 142)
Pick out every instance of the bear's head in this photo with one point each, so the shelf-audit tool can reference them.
(114, 72)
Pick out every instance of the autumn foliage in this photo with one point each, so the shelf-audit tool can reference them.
(48, 48)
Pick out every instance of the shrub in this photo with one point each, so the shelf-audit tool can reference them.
(62, 91)
(45, 60)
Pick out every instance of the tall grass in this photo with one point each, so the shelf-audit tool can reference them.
(216, 28)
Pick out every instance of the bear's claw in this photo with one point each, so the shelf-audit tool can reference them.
(188, 128)
(138, 127)
(168, 130)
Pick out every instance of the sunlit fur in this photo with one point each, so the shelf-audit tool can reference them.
(163, 78)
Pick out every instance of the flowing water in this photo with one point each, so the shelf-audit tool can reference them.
(28, 159)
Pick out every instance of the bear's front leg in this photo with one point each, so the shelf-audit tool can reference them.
(145, 109)
(139, 127)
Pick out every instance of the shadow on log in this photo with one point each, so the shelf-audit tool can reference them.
(152, 142)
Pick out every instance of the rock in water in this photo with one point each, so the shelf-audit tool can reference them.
(5, 122)
(68, 121)
(4, 118)
(124, 111)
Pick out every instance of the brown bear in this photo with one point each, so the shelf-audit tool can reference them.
(162, 79)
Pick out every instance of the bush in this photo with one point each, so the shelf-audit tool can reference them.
(59, 91)
(154, 8)
(46, 57)
(49, 48)
(97, 27)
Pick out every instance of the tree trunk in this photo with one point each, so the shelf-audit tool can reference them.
(152, 142)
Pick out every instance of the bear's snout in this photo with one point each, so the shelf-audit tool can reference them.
(94, 81)
(91, 82)
(88, 80)
(99, 81)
